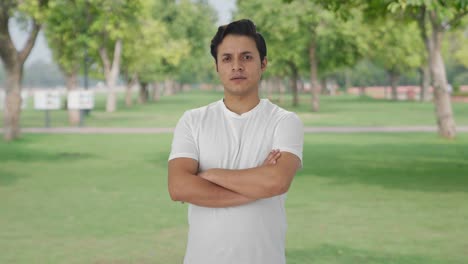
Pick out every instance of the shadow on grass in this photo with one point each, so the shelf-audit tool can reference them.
(334, 254)
(24, 154)
(8, 177)
(420, 167)
(16, 153)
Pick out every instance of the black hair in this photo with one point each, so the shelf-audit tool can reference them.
(243, 27)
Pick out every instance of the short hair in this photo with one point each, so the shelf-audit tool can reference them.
(243, 27)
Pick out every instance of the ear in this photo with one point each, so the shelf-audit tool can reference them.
(263, 64)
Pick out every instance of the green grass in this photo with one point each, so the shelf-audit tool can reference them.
(360, 198)
(344, 110)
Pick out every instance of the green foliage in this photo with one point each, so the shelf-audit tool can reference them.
(444, 14)
(192, 23)
(149, 45)
(34, 9)
(458, 44)
(75, 28)
(67, 32)
(171, 41)
(289, 28)
(342, 43)
(366, 73)
(396, 46)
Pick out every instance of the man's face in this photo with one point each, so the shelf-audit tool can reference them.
(239, 66)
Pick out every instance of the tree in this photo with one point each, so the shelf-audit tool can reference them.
(395, 46)
(33, 12)
(442, 16)
(191, 25)
(66, 31)
(195, 23)
(434, 18)
(149, 47)
(108, 29)
(305, 37)
(276, 22)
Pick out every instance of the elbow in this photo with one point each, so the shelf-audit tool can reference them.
(279, 187)
(174, 194)
(274, 188)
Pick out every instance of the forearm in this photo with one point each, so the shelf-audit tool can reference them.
(196, 190)
(256, 183)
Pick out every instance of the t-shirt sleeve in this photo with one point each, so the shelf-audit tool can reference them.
(183, 142)
(289, 135)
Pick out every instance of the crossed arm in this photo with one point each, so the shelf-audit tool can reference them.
(223, 188)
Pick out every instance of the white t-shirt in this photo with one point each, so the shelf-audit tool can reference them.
(253, 233)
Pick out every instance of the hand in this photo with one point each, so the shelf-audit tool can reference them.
(273, 156)
(271, 159)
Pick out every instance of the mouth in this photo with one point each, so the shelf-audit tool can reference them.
(238, 78)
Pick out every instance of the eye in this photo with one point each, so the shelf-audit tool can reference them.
(226, 59)
(248, 57)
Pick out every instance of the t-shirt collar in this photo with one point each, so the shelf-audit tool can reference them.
(243, 115)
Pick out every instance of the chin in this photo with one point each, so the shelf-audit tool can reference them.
(239, 92)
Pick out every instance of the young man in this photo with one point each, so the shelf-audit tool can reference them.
(233, 160)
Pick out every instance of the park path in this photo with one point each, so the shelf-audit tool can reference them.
(161, 130)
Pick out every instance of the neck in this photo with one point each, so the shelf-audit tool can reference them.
(241, 104)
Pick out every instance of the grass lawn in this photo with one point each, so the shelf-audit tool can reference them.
(360, 198)
(344, 110)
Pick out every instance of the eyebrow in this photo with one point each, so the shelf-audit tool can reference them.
(242, 53)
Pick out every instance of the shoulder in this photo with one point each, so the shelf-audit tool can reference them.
(196, 115)
(280, 114)
(200, 111)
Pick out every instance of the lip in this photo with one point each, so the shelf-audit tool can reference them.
(238, 78)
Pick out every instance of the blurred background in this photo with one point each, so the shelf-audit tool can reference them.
(139, 51)
(90, 91)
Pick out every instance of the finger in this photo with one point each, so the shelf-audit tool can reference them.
(269, 157)
(272, 156)
(277, 155)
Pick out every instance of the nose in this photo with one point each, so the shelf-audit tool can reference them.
(237, 65)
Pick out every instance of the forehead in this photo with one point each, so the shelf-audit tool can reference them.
(236, 44)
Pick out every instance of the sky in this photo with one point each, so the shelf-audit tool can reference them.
(42, 52)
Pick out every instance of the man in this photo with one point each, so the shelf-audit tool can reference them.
(234, 160)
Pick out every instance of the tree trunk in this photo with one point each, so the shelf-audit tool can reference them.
(293, 80)
(362, 91)
(13, 62)
(168, 87)
(12, 108)
(156, 92)
(111, 72)
(71, 82)
(144, 93)
(129, 90)
(262, 88)
(282, 90)
(424, 82)
(315, 88)
(425, 69)
(443, 105)
(323, 86)
(332, 87)
(178, 87)
(347, 79)
(269, 87)
(276, 86)
(394, 78)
